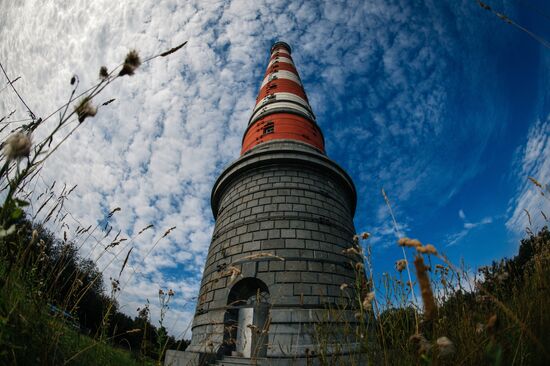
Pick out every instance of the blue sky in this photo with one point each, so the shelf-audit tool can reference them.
(442, 104)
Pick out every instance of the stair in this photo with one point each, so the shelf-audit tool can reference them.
(238, 361)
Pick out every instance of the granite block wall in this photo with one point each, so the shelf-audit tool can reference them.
(284, 214)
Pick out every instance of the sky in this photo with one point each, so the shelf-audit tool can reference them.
(440, 103)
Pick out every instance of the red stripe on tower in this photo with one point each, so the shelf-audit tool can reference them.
(282, 110)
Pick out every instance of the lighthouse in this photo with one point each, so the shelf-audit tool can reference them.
(277, 259)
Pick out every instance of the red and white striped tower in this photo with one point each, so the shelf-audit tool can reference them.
(282, 110)
(277, 259)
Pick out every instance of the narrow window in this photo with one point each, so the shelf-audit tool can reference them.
(269, 128)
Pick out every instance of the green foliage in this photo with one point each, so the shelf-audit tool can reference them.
(49, 295)
(499, 317)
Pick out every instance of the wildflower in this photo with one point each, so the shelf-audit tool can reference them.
(368, 299)
(17, 146)
(406, 242)
(427, 249)
(233, 272)
(351, 250)
(422, 343)
(258, 256)
(503, 276)
(535, 182)
(171, 292)
(85, 109)
(168, 231)
(131, 63)
(445, 346)
(365, 235)
(356, 239)
(492, 324)
(480, 328)
(161, 292)
(343, 286)
(430, 308)
(115, 285)
(439, 266)
(400, 265)
(34, 237)
(359, 266)
(103, 73)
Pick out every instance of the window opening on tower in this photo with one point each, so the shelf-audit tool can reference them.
(269, 128)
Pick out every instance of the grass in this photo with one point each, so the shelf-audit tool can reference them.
(499, 316)
(39, 269)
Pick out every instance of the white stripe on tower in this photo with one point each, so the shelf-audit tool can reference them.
(281, 53)
(280, 59)
(282, 74)
(282, 107)
(281, 97)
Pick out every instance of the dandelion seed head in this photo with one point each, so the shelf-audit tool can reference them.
(34, 236)
(400, 265)
(421, 342)
(351, 250)
(407, 242)
(85, 109)
(103, 73)
(233, 272)
(368, 300)
(427, 249)
(131, 63)
(503, 276)
(17, 146)
(445, 346)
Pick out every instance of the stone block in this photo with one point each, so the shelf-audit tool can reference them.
(295, 243)
(273, 244)
(266, 225)
(252, 246)
(288, 233)
(287, 276)
(263, 266)
(295, 265)
(259, 235)
(276, 266)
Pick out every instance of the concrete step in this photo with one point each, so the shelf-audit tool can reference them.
(238, 361)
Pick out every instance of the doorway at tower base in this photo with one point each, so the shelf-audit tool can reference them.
(296, 336)
(183, 358)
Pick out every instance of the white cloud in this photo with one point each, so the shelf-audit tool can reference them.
(455, 238)
(533, 160)
(157, 150)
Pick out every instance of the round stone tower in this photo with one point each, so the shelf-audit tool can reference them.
(284, 214)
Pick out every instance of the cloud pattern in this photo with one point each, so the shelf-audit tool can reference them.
(388, 81)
